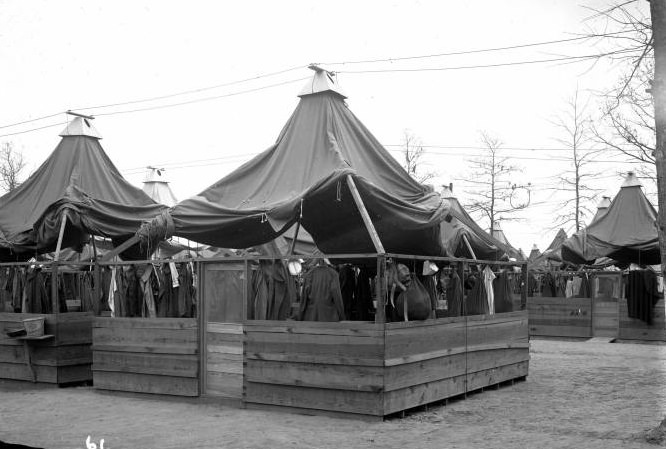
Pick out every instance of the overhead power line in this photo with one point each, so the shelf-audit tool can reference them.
(478, 50)
(486, 66)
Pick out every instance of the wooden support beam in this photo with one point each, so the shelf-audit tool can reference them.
(469, 247)
(97, 279)
(119, 249)
(374, 236)
(63, 223)
(380, 311)
(292, 247)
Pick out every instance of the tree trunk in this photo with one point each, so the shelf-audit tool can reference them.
(658, 14)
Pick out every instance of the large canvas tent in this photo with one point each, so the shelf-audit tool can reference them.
(462, 226)
(157, 187)
(77, 180)
(326, 168)
(627, 232)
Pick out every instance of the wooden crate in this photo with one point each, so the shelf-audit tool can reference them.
(560, 317)
(146, 355)
(64, 359)
(635, 329)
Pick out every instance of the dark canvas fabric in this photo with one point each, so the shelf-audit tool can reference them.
(320, 145)
(627, 232)
(78, 177)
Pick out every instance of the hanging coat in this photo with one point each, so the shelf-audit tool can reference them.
(322, 298)
(454, 295)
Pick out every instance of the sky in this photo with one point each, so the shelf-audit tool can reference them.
(200, 87)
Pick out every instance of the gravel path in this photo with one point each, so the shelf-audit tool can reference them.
(578, 395)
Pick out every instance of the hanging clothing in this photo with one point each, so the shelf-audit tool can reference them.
(322, 299)
(488, 278)
(414, 303)
(476, 302)
(454, 295)
(113, 288)
(549, 286)
(503, 293)
(36, 298)
(642, 295)
(347, 276)
(584, 290)
(148, 308)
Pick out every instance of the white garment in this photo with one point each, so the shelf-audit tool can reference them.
(174, 275)
(488, 277)
(112, 290)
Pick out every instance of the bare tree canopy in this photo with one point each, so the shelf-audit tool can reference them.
(575, 127)
(11, 166)
(412, 153)
(492, 192)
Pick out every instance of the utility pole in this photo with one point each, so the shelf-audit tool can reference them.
(658, 15)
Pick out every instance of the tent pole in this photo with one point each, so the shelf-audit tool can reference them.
(119, 249)
(54, 266)
(97, 290)
(366, 217)
(292, 247)
(469, 247)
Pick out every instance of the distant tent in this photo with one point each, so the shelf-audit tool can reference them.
(498, 233)
(553, 253)
(157, 187)
(627, 232)
(485, 247)
(77, 179)
(602, 208)
(534, 253)
(321, 144)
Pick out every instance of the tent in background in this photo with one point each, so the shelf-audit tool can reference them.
(553, 254)
(157, 187)
(602, 208)
(321, 159)
(534, 253)
(77, 180)
(627, 232)
(498, 233)
(484, 246)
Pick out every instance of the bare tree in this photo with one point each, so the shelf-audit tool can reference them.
(628, 120)
(11, 166)
(412, 152)
(575, 126)
(492, 193)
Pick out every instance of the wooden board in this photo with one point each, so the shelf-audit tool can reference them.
(560, 317)
(329, 367)
(146, 355)
(65, 358)
(605, 317)
(224, 360)
(635, 329)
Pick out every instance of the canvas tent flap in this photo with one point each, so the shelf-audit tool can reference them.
(627, 232)
(78, 177)
(319, 146)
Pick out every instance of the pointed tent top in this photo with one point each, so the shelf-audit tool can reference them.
(631, 181)
(321, 81)
(535, 247)
(80, 126)
(604, 203)
(447, 193)
(155, 175)
(496, 225)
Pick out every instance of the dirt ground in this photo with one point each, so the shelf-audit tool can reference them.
(577, 395)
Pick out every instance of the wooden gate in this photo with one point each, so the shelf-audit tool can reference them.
(224, 296)
(606, 294)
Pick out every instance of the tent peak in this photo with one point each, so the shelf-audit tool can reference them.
(447, 192)
(155, 174)
(80, 126)
(604, 203)
(631, 181)
(321, 81)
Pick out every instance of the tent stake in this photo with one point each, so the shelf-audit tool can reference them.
(366, 217)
